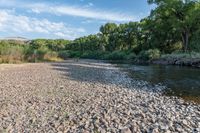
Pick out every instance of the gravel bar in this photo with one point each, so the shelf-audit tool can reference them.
(85, 96)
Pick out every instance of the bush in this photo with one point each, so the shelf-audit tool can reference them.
(10, 53)
(69, 54)
(93, 55)
(64, 54)
(75, 54)
(173, 47)
(116, 55)
(40, 53)
(131, 56)
(181, 54)
(51, 56)
(195, 46)
(195, 42)
(150, 54)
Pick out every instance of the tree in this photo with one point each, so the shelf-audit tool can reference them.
(107, 32)
(181, 15)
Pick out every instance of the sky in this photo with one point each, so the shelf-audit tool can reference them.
(65, 19)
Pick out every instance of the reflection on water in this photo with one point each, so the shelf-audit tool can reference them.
(182, 81)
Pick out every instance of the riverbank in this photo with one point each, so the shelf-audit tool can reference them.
(190, 62)
(87, 96)
(190, 59)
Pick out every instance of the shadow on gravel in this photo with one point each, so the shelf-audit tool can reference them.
(89, 71)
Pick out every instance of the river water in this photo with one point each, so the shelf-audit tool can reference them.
(180, 81)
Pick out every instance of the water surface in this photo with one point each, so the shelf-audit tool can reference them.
(181, 81)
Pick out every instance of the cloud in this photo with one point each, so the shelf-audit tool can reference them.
(11, 22)
(90, 4)
(69, 10)
(7, 2)
(82, 12)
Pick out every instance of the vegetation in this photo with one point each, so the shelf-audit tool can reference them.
(180, 55)
(174, 25)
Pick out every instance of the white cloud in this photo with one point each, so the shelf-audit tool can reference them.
(76, 11)
(59, 34)
(90, 4)
(10, 22)
(7, 2)
(82, 12)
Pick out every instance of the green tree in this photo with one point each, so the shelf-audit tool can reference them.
(182, 15)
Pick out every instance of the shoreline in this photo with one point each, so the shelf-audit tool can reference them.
(178, 62)
(187, 62)
(88, 96)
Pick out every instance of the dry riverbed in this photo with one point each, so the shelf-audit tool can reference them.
(87, 96)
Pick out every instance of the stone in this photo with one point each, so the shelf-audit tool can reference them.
(168, 131)
(125, 130)
(155, 130)
(86, 105)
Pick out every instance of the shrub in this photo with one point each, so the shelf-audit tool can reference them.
(149, 54)
(181, 54)
(51, 56)
(75, 54)
(174, 47)
(93, 54)
(131, 56)
(40, 53)
(64, 54)
(195, 42)
(10, 53)
(116, 55)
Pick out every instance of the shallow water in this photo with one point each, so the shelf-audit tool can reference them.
(181, 81)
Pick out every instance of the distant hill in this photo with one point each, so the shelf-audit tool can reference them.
(19, 40)
(15, 38)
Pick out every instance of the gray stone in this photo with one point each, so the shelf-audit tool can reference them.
(125, 130)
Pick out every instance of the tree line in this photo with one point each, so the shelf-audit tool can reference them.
(174, 25)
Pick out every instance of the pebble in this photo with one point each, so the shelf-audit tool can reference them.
(125, 130)
(87, 96)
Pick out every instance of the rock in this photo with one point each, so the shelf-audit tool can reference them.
(101, 130)
(179, 129)
(155, 130)
(198, 130)
(61, 87)
(80, 97)
(125, 130)
(164, 127)
(185, 122)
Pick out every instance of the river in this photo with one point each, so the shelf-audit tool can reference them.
(180, 81)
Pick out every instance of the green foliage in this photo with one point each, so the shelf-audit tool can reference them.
(175, 20)
(69, 54)
(173, 25)
(131, 56)
(93, 55)
(195, 42)
(40, 52)
(75, 54)
(64, 54)
(10, 53)
(181, 55)
(14, 52)
(150, 54)
(116, 55)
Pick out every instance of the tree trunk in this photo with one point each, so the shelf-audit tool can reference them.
(185, 40)
(129, 41)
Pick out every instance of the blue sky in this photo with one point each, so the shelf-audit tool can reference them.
(67, 19)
